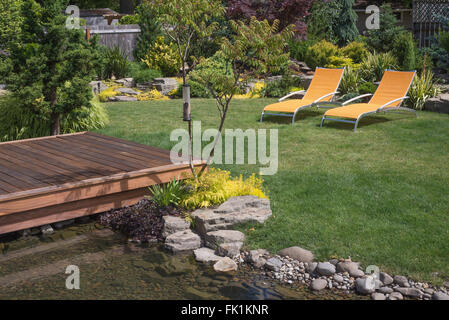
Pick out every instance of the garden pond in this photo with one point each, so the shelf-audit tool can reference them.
(33, 267)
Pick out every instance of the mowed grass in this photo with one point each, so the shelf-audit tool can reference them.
(380, 195)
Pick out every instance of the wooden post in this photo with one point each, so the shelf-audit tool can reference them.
(87, 33)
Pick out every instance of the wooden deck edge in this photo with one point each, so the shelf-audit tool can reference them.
(92, 188)
(70, 210)
(43, 138)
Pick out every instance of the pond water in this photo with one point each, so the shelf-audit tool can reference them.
(33, 267)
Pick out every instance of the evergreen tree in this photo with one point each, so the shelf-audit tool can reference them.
(150, 29)
(345, 28)
(50, 65)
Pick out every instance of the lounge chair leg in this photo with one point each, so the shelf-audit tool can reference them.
(261, 116)
(322, 121)
(293, 118)
(356, 124)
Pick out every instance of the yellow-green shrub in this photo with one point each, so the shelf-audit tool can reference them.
(163, 57)
(318, 55)
(151, 95)
(109, 92)
(356, 51)
(339, 62)
(217, 186)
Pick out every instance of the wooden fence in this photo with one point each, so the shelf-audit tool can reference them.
(427, 19)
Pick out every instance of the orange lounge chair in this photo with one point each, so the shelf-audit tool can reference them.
(323, 88)
(389, 95)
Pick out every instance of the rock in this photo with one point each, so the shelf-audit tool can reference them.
(325, 268)
(395, 296)
(234, 211)
(255, 257)
(259, 263)
(214, 238)
(182, 241)
(401, 280)
(127, 91)
(385, 290)
(409, 292)
(297, 253)
(318, 284)
(385, 278)
(205, 255)
(97, 86)
(439, 104)
(174, 224)
(229, 249)
(338, 278)
(378, 296)
(122, 99)
(311, 267)
(356, 273)
(126, 82)
(47, 230)
(306, 80)
(365, 285)
(429, 291)
(62, 224)
(165, 85)
(347, 266)
(273, 264)
(446, 284)
(440, 296)
(333, 261)
(225, 264)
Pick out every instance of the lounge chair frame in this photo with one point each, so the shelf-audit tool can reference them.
(384, 108)
(316, 103)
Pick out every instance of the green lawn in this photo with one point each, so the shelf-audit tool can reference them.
(380, 195)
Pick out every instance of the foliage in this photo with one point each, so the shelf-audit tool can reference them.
(319, 54)
(167, 194)
(350, 81)
(163, 57)
(339, 62)
(51, 66)
(152, 94)
(321, 21)
(280, 88)
(405, 50)
(10, 21)
(216, 186)
(423, 88)
(130, 19)
(150, 29)
(17, 122)
(367, 87)
(355, 50)
(344, 28)
(109, 92)
(383, 39)
(443, 39)
(298, 48)
(115, 63)
(286, 11)
(141, 73)
(374, 65)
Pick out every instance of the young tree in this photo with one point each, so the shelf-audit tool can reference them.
(150, 29)
(345, 28)
(184, 21)
(286, 11)
(255, 50)
(10, 20)
(50, 65)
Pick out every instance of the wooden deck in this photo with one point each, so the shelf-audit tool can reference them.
(50, 179)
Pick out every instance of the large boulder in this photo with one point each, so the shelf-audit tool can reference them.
(128, 91)
(213, 239)
(165, 85)
(234, 211)
(122, 99)
(182, 241)
(347, 266)
(229, 249)
(325, 268)
(205, 255)
(126, 82)
(297, 253)
(439, 104)
(318, 284)
(174, 224)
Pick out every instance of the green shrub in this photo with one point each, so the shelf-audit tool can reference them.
(131, 19)
(17, 122)
(350, 81)
(114, 63)
(367, 87)
(163, 57)
(339, 62)
(355, 50)
(298, 49)
(423, 88)
(217, 186)
(405, 51)
(141, 73)
(168, 194)
(374, 65)
(280, 88)
(319, 54)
